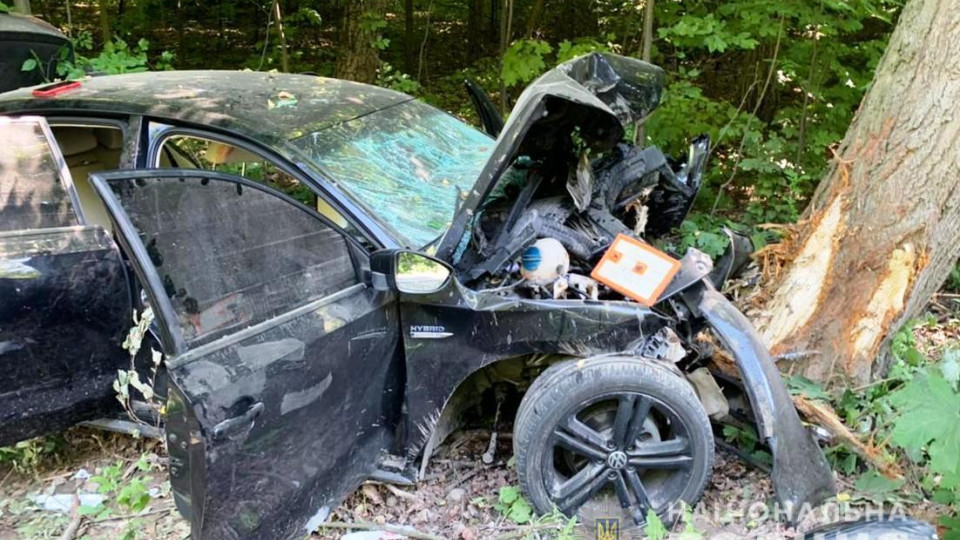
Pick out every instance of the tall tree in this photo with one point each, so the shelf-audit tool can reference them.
(409, 40)
(883, 229)
(281, 36)
(22, 6)
(105, 32)
(475, 26)
(358, 55)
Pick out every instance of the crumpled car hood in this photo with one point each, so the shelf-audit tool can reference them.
(599, 94)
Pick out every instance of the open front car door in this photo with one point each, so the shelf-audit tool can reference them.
(283, 363)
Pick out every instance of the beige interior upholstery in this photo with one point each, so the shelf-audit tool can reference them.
(219, 153)
(88, 150)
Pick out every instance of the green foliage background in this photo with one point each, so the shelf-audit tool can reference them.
(774, 82)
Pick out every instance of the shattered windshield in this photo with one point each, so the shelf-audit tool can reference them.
(407, 163)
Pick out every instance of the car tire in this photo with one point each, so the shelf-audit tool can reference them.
(631, 426)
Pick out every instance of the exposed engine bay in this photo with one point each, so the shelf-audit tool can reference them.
(548, 222)
(562, 184)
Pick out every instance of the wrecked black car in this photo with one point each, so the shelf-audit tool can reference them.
(24, 38)
(339, 272)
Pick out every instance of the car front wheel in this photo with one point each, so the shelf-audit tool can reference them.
(612, 437)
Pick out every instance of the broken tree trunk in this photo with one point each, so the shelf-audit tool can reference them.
(883, 229)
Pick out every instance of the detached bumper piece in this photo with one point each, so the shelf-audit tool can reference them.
(885, 528)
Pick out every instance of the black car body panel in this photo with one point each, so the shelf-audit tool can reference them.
(272, 109)
(483, 327)
(258, 105)
(65, 307)
(891, 527)
(25, 38)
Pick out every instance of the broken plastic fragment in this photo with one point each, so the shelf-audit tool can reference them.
(580, 182)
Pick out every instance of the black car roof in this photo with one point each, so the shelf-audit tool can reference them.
(272, 106)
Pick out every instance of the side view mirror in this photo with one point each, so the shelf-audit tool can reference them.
(408, 272)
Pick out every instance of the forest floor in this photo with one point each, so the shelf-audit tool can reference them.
(457, 500)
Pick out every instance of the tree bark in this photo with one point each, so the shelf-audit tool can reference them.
(358, 57)
(409, 39)
(534, 20)
(281, 36)
(475, 27)
(105, 22)
(646, 50)
(506, 31)
(22, 6)
(883, 228)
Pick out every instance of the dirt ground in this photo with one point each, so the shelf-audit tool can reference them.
(456, 501)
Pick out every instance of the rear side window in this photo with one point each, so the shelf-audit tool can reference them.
(232, 255)
(32, 192)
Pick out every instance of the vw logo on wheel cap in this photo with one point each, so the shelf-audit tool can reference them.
(617, 460)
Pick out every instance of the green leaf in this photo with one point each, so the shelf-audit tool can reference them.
(929, 417)
(715, 43)
(654, 528)
(29, 64)
(520, 511)
(875, 486)
(524, 60)
(509, 494)
(952, 524)
(950, 367)
(798, 384)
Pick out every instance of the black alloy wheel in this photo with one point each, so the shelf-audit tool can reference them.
(613, 432)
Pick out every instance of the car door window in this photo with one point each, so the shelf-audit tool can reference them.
(187, 151)
(192, 152)
(232, 254)
(33, 178)
(89, 149)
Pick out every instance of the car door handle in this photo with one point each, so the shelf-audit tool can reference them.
(232, 425)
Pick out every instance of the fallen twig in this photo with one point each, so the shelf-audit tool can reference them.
(824, 415)
(367, 526)
(71, 531)
(463, 479)
(400, 493)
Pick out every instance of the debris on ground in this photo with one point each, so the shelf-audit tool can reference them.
(459, 499)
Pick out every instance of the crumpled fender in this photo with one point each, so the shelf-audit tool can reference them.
(801, 476)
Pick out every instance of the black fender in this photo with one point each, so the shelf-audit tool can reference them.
(801, 475)
(892, 527)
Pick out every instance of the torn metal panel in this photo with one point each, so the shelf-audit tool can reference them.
(597, 94)
(801, 474)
